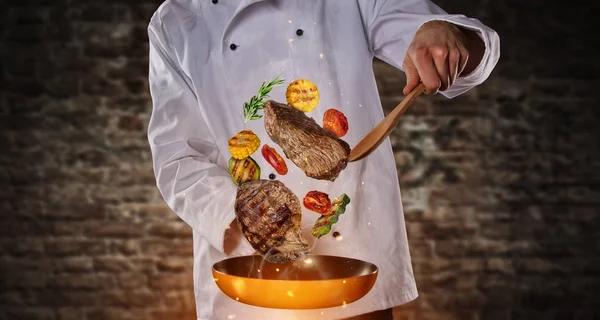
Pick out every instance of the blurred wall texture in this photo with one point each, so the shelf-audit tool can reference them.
(501, 185)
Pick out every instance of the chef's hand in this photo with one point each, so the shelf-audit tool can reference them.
(438, 54)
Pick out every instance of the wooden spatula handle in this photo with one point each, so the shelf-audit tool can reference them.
(374, 138)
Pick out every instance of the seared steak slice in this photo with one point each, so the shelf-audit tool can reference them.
(318, 152)
(269, 216)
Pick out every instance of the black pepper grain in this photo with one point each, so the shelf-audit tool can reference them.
(272, 176)
(336, 234)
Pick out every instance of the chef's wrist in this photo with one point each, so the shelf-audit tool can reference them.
(476, 47)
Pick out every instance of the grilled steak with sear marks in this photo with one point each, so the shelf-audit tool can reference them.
(318, 152)
(269, 216)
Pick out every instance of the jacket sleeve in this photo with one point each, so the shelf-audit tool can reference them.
(391, 25)
(190, 171)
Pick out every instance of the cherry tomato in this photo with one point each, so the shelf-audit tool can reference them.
(274, 159)
(317, 201)
(336, 122)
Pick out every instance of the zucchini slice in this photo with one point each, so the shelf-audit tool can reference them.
(324, 223)
(243, 170)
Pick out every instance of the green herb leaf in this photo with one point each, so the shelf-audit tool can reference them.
(258, 101)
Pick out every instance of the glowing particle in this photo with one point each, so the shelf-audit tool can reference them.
(277, 269)
(360, 105)
(308, 261)
(321, 55)
(369, 224)
(321, 312)
(291, 40)
(369, 208)
(290, 293)
(344, 281)
(237, 299)
(290, 21)
(228, 227)
(216, 279)
(363, 182)
(258, 270)
(339, 238)
(343, 304)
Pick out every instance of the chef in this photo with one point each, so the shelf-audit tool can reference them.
(208, 57)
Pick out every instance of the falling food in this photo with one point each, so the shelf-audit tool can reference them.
(243, 170)
(302, 95)
(269, 216)
(243, 144)
(317, 201)
(324, 224)
(336, 122)
(318, 152)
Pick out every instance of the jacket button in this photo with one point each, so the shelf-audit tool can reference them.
(233, 46)
(299, 32)
(215, 1)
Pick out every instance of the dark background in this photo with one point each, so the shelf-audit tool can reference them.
(501, 185)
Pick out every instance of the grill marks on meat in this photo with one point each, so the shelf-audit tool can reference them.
(269, 215)
(318, 152)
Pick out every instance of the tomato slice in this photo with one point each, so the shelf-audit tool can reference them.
(274, 159)
(336, 122)
(317, 201)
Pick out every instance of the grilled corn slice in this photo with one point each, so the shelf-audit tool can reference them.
(302, 95)
(243, 144)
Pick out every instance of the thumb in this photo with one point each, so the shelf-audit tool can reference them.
(412, 76)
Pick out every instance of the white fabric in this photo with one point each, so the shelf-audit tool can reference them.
(198, 86)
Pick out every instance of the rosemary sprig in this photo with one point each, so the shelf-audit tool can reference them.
(257, 102)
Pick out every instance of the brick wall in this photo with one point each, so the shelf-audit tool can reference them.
(501, 185)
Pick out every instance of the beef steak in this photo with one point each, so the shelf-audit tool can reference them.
(318, 152)
(269, 216)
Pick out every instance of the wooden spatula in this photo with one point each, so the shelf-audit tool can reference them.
(374, 138)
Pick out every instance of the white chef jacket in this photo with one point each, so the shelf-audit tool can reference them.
(199, 82)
